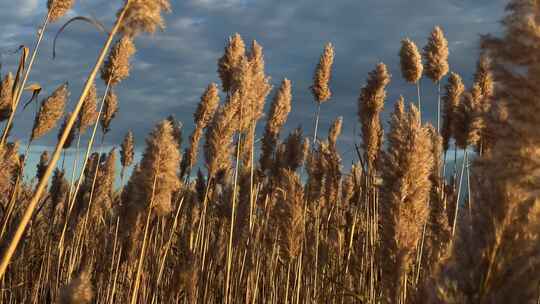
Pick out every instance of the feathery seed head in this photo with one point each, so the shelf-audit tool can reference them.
(335, 131)
(117, 66)
(88, 113)
(207, 106)
(468, 121)
(127, 151)
(50, 112)
(320, 88)
(406, 174)
(143, 16)
(9, 165)
(411, 61)
(79, 290)
(110, 108)
(484, 77)
(217, 147)
(157, 180)
(58, 8)
(71, 135)
(436, 55)
(42, 165)
(451, 99)
(260, 83)
(234, 52)
(203, 115)
(370, 105)
(279, 110)
(6, 93)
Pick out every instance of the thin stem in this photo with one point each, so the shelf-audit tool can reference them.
(439, 106)
(317, 114)
(419, 102)
(458, 194)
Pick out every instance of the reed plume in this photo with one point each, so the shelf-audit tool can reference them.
(51, 110)
(468, 122)
(59, 191)
(79, 290)
(323, 72)
(58, 8)
(143, 16)
(9, 165)
(235, 51)
(279, 110)
(438, 229)
(292, 153)
(289, 213)
(88, 113)
(127, 151)
(484, 78)
(494, 261)
(436, 63)
(335, 131)
(406, 169)
(117, 66)
(42, 165)
(102, 188)
(260, 86)
(6, 93)
(451, 100)
(203, 115)
(411, 61)
(217, 148)
(321, 78)
(370, 105)
(110, 108)
(156, 180)
(71, 135)
(436, 55)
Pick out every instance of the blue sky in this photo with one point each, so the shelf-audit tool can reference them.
(172, 68)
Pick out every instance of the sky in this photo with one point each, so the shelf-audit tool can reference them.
(172, 68)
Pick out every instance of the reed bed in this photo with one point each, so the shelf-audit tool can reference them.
(291, 226)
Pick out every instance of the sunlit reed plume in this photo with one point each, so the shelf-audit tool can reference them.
(156, 180)
(279, 111)
(451, 100)
(234, 52)
(51, 110)
(203, 115)
(88, 113)
(110, 108)
(127, 151)
(411, 61)
(117, 66)
(436, 55)
(335, 131)
(144, 16)
(370, 105)
(58, 8)
(323, 72)
(6, 97)
(406, 174)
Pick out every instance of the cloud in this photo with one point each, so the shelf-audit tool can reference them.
(172, 68)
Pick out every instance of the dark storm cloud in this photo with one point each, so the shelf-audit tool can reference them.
(172, 68)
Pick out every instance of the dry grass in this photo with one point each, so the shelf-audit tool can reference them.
(292, 226)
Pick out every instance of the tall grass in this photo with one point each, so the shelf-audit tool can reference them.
(292, 226)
